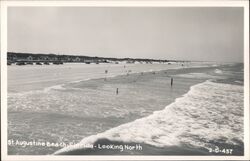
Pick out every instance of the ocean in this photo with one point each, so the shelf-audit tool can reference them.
(132, 109)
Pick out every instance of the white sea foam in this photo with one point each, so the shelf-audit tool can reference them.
(218, 71)
(197, 75)
(240, 82)
(208, 112)
(56, 87)
(78, 81)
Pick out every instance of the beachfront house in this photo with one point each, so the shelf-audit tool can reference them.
(77, 59)
(68, 59)
(44, 58)
(54, 59)
(29, 58)
(130, 62)
(12, 58)
(88, 61)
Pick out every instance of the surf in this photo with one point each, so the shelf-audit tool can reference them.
(208, 115)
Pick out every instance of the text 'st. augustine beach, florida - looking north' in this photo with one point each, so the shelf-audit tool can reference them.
(125, 81)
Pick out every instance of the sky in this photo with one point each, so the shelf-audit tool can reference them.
(175, 33)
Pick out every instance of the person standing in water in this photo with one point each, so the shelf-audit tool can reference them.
(106, 72)
(117, 91)
(172, 80)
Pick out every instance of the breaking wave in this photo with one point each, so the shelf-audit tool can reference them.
(218, 71)
(197, 75)
(209, 114)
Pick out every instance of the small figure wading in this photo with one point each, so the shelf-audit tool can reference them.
(106, 72)
(172, 80)
(117, 91)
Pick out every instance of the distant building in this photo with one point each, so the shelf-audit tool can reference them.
(45, 58)
(77, 59)
(30, 58)
(130, 62)
(88, 61)
(54, 58)
(69, 59)
(12, 58)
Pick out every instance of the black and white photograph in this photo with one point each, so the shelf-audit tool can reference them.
(125, 81)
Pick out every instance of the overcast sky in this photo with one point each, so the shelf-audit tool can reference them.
(201, 33)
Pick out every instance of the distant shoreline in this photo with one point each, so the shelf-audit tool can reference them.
(39, 59)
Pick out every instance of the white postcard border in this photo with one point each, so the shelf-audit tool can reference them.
(221, 3)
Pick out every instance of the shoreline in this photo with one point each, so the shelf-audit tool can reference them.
(40, 77)
(171, 70)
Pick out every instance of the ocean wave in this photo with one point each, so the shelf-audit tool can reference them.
(197, 75)
(56, 87)
(209, 113)
(218, 71)
(239, 82)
